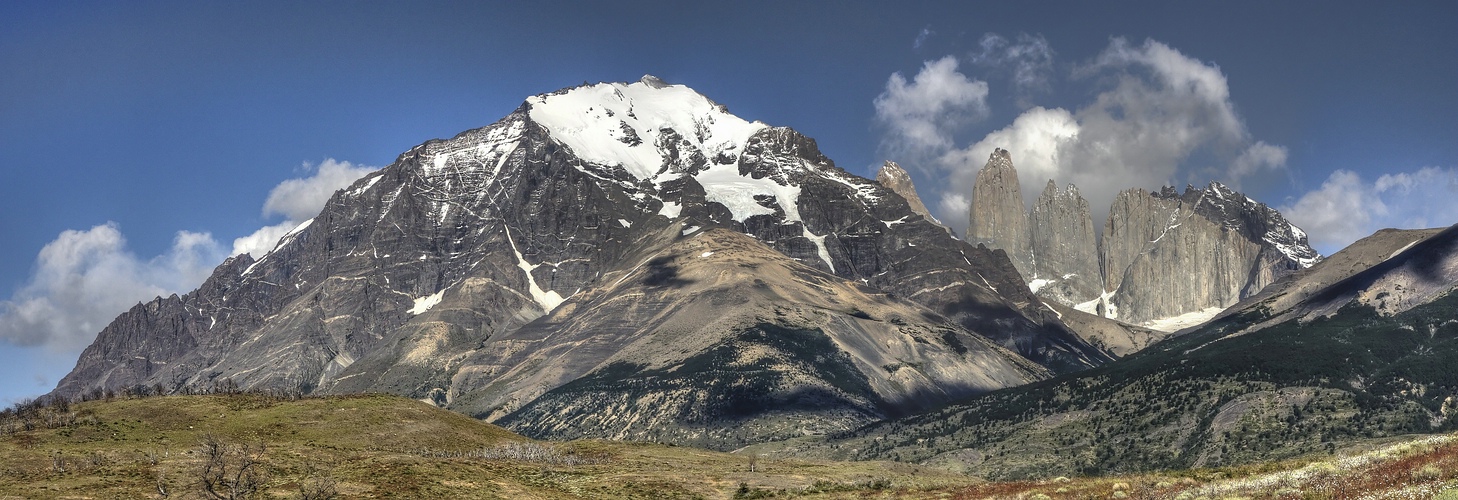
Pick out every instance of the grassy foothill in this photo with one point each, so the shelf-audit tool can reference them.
(378, 446)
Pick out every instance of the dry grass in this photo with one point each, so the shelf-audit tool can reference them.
(389, 447)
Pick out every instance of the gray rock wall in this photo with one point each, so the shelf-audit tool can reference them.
(1064, 246)
(998, 218)
(895, 178)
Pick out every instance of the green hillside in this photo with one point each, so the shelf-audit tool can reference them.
(1202, 400)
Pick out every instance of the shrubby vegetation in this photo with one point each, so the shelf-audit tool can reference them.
(1204, 400)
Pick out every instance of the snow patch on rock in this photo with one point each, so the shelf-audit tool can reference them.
(423, 304)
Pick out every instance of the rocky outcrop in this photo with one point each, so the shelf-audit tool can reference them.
(1359, 256)
(556, 245)
(998, 218)
(1174, 260)
(895, 178)
(1137, 218)
(1165, 260)
(1064, 245)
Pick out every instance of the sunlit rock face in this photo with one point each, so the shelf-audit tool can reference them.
(607, 233)
(1165, 260)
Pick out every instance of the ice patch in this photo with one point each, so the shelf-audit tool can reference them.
(1183, 321)
(423, 304)
(892, 223)
(250, 267)
(723, 184)
(866, 192)
(1092, 306)
(625, 223)
(295, 230)
(548, 299)
(690, 230)
(368, 184)
(819, 242)
(505, 155)
(670, 210)
(1038, 284)
(1295, 231)
(705, 254)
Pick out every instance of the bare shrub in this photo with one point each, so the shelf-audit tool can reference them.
(318, 488)
(58, 463)
(229, 471)
(520, 452)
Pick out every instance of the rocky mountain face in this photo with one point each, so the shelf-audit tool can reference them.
(895, 178)
(1287, 292)
(1356, 347)
(623, 242)
(1164, 260)
(1195, 253)
(1065, 247)
(998, 218)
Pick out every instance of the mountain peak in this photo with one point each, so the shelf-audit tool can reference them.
(632, 125)
(997, 216)
(653, 81)
(895, 178)
(999, 159)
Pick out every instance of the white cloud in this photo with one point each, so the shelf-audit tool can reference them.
(1346, 207)
(954, 205)
(1036, 140)
(299, 200)
(1153, 109)
(263, 240)
(84, 279)
(922, 114)
(1258, 157)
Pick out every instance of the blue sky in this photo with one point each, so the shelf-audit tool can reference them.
(140, 141)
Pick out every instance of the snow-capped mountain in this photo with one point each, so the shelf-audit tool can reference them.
(682, 273)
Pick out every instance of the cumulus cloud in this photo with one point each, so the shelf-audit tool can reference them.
(262, 241)
(83, 279)
(1346, 207)
(302, 198)
(954, 206)
(1036, 140)
(1154, 108)
(922, 114)
(298, 200)
(1257, 158)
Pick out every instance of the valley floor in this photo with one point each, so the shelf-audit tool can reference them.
(379, 446)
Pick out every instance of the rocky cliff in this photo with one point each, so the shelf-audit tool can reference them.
(1175, 260)
(1165, 260)
(895, 178)
(1065, 247)
(575, 240)
(998, 218)
(1354, 348)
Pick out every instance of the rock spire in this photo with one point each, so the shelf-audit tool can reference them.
(998, 218)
